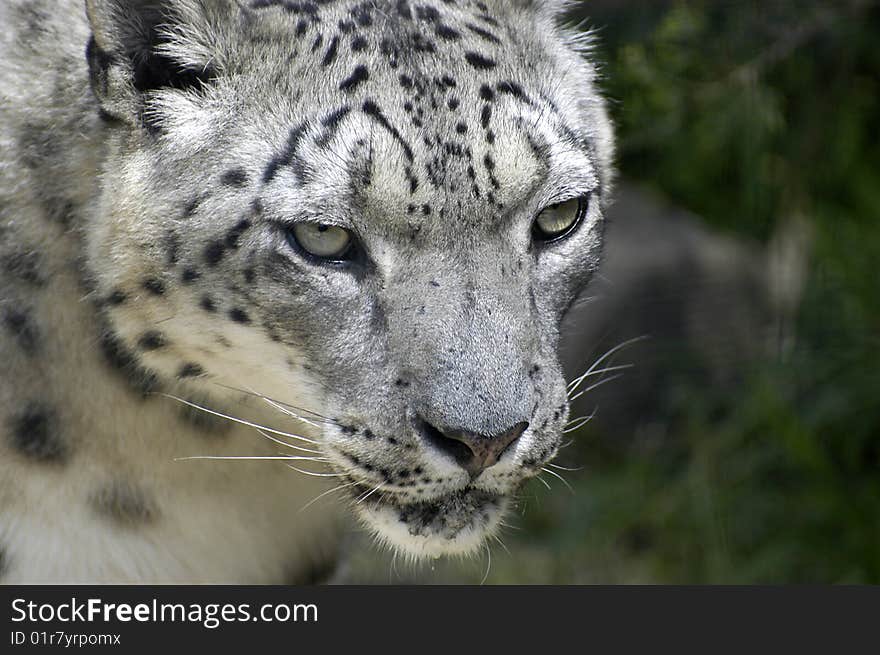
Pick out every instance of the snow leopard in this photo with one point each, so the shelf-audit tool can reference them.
(274, 269)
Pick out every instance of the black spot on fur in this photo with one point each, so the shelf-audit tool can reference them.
(287, 155)
(139, 378)
(331, 124)
(190, 275)
(25, 266)
(192, 206)
(485, 17)
(478, 61)
(207, 303)
(19, 324)
(513, 89)
(117, 297)
(486, 35)
(446, 32)
(420, 44)
(371, 109)
(214, 252)
(486, 116)
(35, 434)
(353, 81)
(362, 15)
(428, 13)
(190, 370)
(330, 54)
(125, 504)
(152, 340)
(154, 286)
(239, 316)
(233, 237)
(413, 181)
(236, 177)
(4, 563)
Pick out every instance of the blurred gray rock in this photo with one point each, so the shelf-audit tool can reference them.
(709, 306)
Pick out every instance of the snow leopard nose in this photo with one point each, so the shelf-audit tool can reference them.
(473, 452)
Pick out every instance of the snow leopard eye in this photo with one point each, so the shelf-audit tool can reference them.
(322, 241)
(558, 221)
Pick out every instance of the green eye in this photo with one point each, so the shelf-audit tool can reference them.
(558, 221)
(322, 241)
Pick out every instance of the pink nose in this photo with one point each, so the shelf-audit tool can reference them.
(473, 452)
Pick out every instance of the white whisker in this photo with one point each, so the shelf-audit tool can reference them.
(240, 421)
(573, 385)
(501, 543)
(291, 413)
(370, 493)
(594, 386)
(247, 458)
(582, 420)
(543, 481)
(608, 354)
(556, 475)
(563, 468)
(288, 445)
(326, 493)
(251, 392)
(315, 475)
(488, 565)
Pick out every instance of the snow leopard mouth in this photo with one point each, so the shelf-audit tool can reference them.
(455, 524)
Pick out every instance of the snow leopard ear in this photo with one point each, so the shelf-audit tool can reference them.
(140, 46)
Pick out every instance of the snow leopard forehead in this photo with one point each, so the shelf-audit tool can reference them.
(390, 113)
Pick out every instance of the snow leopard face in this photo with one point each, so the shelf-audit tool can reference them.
(375, 210)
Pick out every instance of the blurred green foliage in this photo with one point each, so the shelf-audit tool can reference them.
(751, 115)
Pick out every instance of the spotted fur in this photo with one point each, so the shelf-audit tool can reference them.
(156, 156)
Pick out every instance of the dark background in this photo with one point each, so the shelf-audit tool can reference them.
(744, 445)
